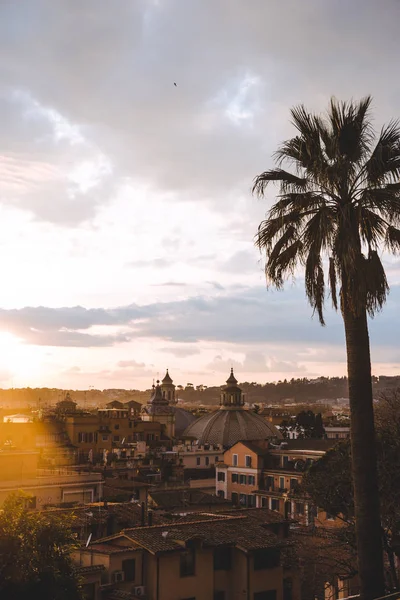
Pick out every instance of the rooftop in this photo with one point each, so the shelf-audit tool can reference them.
(243, 529)
(183, 497)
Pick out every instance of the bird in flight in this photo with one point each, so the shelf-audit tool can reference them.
(175, 84)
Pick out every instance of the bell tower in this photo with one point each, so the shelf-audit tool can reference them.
(168, 389)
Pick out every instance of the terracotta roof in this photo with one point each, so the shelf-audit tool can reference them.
(124, 512)
(262, 515)
(254, 448)
(244, 532)
(109, 548)
(186, 497)
(81, 570)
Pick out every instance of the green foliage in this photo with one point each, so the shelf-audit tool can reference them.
(329, 484)
(35, 554)
(307, 424)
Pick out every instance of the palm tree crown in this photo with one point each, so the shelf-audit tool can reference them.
(337, 206)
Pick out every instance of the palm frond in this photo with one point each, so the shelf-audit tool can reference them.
(287, 180)
(372, 227)
(315, 286)
(383, 165)
(377, 285)
(384, 200)
(306, 203)
(270, 229)
(339, 195)
(320, 230)
(392, 239)
(351, 128)
(278, 268)
(333, 282)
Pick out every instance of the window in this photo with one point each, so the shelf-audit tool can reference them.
(270, 483)
(267, 595)
(115, 438)
(116, 426)
(130, 424)
(285, 461)
(242, 499)
(293, 484)
(287, 589)
(242, 479)
(81, 437)
(89, 591)
(299, 507)
(198, 461)
(222, 559)
(128, 567)
(251, 500)
(248, 461)
(221, 493)
(104, 438)
(281, 483)
(235, 498)
(235, 460)
(221, 476)
(251, 480)
(220, 595)
(216, 458)
(235, 477)
(267, 558)
(207, 461)
(188, 563)
(274, 504)
(264, 502)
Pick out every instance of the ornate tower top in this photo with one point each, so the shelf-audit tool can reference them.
(167, 378)
(156, 397)
(231, 396)
(168, 388)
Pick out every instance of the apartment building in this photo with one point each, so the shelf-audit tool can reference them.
(265, 475)
(94, 434)
(56, 486)
(195, 456)
(220, 557)
(238, 476)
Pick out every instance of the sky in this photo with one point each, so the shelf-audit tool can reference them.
(126, 217)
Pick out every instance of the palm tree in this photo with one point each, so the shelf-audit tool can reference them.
(337, 206)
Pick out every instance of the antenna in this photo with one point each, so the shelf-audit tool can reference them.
(88, 540)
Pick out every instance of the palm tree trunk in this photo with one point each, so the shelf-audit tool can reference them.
(363, 452)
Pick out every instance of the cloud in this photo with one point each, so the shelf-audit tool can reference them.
(181, 351)
(157, 263)
(129, 363)
(243, 261)
(256, 362)
(170, 284)
(248, 316)
(208, 137)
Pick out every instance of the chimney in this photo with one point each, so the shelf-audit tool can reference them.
(143, 514)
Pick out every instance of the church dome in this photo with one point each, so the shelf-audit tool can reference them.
(183, 418)
(232, 422)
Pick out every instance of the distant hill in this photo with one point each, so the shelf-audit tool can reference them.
(301, 391)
